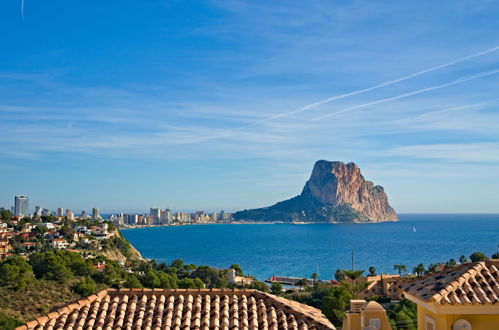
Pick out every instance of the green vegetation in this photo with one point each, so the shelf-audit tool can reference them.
(30, 288)
(276, 288)
(303, 208)
(403, 316)
(400, 268)
(478, 256)
(7, 322)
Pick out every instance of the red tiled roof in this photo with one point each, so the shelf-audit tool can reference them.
(183, 309)
(473, 283)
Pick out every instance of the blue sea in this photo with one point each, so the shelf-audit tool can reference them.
(300, 250)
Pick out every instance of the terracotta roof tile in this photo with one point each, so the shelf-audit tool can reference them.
(182, 309)
(473, 283)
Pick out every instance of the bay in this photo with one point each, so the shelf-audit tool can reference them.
(263, 250)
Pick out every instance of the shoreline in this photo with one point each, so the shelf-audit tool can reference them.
(242, 222)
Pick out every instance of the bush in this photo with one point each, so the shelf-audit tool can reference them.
(276, 288)
(7, 322)
(478, 256)
(85, 287)
(15, 272)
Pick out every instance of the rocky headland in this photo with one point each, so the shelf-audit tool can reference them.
(335, 192)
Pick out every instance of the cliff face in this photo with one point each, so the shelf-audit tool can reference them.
(335, 192)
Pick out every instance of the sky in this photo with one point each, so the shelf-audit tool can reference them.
(227, 104)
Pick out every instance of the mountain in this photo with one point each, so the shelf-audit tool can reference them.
(335, 192)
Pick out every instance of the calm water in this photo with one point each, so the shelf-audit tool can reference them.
(297, 250)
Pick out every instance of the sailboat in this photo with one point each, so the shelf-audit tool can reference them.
(413, 229)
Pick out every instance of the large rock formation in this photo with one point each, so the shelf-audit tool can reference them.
(335, 192)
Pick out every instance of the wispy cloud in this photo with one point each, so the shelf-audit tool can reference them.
(462, 152)
(420, 91)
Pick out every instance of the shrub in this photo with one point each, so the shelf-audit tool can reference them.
(85, 287)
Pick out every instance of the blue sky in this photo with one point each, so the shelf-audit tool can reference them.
(125, 105)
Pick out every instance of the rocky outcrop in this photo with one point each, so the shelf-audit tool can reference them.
(335, 192)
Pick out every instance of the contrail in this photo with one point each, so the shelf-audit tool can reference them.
(22, 9)
(393, 98)
(386, 83)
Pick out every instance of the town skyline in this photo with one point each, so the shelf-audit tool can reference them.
(230, 103)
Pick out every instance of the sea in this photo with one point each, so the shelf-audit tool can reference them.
(264, 250)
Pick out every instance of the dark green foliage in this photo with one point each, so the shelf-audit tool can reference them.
(189, 283)
(276, 288)
(213, 278)
(67, 232)
(15, 272)
(372, 271)
(51, 265)
(178, 263)
(302, 208)
(257, 285)
(7, 322)
(238, 269)
(131, 281)
(403, 316)
(85, 287)
(478, 256)
(5, 215)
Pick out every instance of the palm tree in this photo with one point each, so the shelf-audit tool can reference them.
(432, 268)
(419, 270)
(302, 283)
(463, 259)
(400, 268)
(339, 275)
(353, 286)
(315, 277)
(353, 274)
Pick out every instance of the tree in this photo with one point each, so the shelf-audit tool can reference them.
(260, 286)
(15, 272)
(131, 282)
(432, 268)
(178, 263)
(339, 275)
(335, 304)
(451, 263)
(5, 215)
(400, 268)
(403, 315)
(478, 256)
(85, 287)
(372, 271)
(495, 255)
(238, 269)
(314, 278)
(151, 280)
(463, 259)
(302, 283)
(419, 270)
(276, 288)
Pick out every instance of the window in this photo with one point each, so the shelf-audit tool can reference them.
(430, 323)
(375, 323)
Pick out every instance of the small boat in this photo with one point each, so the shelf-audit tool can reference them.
(413, 229)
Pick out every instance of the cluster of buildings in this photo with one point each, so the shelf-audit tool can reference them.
(159, 216)
(21, 210)
(22, 232)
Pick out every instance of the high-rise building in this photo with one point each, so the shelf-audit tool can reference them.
(95, 213)
(21, 205)
(70, 215)
(60, 212)
(214, 216)
(38, 211)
